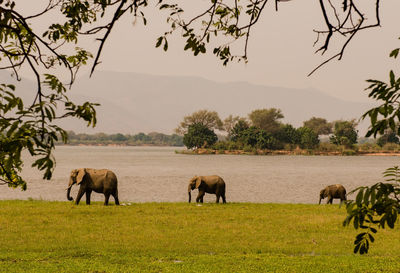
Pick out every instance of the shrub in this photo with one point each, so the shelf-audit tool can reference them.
(328, 147)
(199, 136)
(349, 152)
(391, 147)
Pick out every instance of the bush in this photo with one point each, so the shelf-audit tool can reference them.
(232, 146)
(349, 152)
(369, 147)
(289, 147)
(391, 147)
(308, 138)
(247, 148)
(199, 136)
(220, 145)
(328, 147)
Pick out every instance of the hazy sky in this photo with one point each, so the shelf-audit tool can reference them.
(281, 51)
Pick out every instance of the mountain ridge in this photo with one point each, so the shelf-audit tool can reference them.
(136, 102)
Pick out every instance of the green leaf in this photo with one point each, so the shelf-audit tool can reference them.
(159, 40)
(165, 44)
(394, 53)
(392, 78)
(359, 197)
(12, 128)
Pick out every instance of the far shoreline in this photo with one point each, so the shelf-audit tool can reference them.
(288, 152)
(203, 151)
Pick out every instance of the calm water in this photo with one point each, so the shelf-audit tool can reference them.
(153, 174)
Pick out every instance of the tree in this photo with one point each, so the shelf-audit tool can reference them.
(388, 137)
(319, 125)
(199, 136)
(344, 133)
(118, 137)
(377, 206)
(257, 138)
(308, 138)
(209, 119)
(235, 20)
(237, 130)
(231, 122)
(141, 137)
(287, 134)
(266, 119)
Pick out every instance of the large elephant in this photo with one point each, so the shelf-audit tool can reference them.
(207, 184)
(101, 181)
(333, 191)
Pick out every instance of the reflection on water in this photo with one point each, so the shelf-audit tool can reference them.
(157, 174)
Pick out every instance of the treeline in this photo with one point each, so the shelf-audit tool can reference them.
(262, 129)
(154, 138)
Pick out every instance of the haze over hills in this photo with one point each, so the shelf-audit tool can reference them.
(133, 102)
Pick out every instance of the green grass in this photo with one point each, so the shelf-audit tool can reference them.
(39, 236)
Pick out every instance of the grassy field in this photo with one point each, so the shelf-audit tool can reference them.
(41, 236)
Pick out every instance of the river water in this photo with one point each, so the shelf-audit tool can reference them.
(158, 174)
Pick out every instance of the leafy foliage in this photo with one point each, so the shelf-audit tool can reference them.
(266, 119)
(344, 133)
(230, 122)
(288, 134)
(199, 136)
(379, 204)
(375, 206)
(30, 125)
(388, 137)
(209, 119)
(387, 114)
(221, 23)
(308, 138)
(257, 138)
(237, 130)
(319, 125)
(30, 128)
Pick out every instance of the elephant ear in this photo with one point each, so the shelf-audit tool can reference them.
(198, 182)
(80, 176)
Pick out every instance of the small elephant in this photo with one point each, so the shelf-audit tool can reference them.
(207, 184)
(101, 181)
(333, 191)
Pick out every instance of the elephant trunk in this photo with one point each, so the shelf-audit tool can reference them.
(190, 194)
(68, 194)
(69, 190)
(320, 198)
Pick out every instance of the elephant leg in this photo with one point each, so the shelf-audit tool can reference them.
(218, 196)
(330, 200)
(200, 196)
(107, 196)
(81, 192)
(115, 195)
(88, 193)
(223, 198)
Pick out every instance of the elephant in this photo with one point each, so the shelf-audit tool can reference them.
(101, 181)
(332, 192)
(207, 184)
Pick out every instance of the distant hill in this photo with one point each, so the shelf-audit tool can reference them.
(132, 102)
